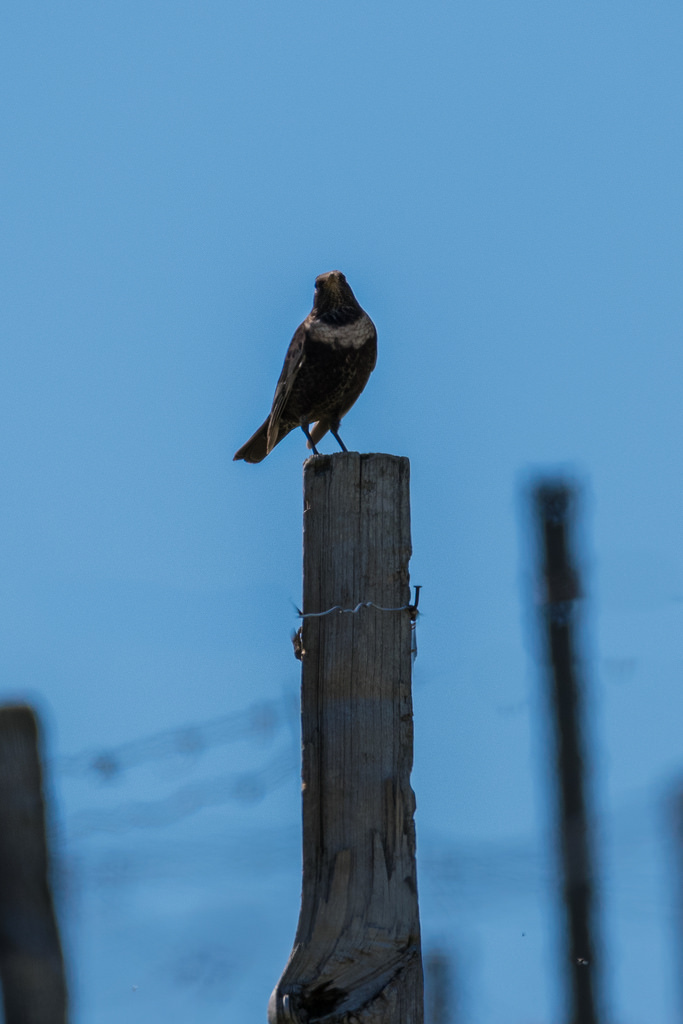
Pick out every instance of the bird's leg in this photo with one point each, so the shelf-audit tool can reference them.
(307, 432)
(334, 428)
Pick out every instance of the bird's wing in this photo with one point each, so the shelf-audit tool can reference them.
(292, 364)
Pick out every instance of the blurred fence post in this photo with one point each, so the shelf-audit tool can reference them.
(439, 988)
(31, 964)
(675, 807)
(554, 503)
(356, 954)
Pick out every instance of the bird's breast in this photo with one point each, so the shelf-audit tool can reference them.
(355, 334)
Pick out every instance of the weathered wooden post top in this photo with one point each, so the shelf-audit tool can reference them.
(356, 956)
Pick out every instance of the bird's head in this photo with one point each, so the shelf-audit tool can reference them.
(332, 292)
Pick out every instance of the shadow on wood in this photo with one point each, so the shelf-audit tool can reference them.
(356, 954)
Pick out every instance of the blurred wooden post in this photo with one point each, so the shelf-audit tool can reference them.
(676, 807)
(356, 955)
(31, 964)
(561, 590)
(439, 996)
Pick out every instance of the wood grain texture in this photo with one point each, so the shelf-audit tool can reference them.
(31, 963)
(356, 955)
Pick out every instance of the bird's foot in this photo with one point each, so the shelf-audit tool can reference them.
(310, 440)
(334, 432)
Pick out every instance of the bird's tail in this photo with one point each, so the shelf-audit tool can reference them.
(256, 448)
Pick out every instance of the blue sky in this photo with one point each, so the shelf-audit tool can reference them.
(501, 184)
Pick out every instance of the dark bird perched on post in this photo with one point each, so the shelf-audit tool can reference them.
(328, 363)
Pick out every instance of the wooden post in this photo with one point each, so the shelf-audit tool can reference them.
(439, 995)
(676, 808)
(31, 964)
(554, 509)
(356, 955)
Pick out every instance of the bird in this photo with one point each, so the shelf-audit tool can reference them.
(328, 363)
